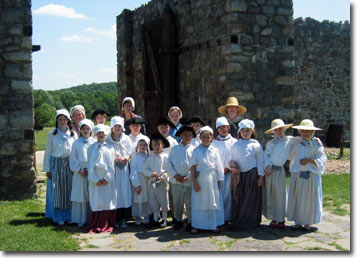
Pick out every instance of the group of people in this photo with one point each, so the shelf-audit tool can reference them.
(100, 176)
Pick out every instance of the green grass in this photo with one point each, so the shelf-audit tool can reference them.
(24, 228)
(41, 138)
(336, 193)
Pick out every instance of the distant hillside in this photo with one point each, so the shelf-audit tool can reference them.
(91, 96)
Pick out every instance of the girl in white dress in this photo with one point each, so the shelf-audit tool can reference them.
(307, 164)
(78, 165)
(123, 148)
(207, 172)
(56, 166)
(140, 205)
(102, 187)
(274, 191)
(223, 142)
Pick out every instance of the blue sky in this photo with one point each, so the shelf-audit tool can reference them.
(78, 38)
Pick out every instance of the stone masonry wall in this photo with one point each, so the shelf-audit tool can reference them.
(239, 48)
(322, 73)
(17, 175)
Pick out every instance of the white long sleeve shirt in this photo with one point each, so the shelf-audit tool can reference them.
(156, 163)
(178, 162)
(196, 141)
(101, 166)
(248, 154)
(277, 151)
(302, 149)
(78, 155)
(207, 158)
(224, 149)
(58, 145)
(137, 166)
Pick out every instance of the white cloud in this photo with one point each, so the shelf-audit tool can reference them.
(59, 11)
(111, 32)
(76, 38)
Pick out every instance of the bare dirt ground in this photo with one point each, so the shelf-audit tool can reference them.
(337, 166)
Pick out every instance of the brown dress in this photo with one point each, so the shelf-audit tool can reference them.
(247, 202)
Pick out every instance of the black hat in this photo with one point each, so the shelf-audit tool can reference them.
(165, 121)
(99, 111)
(159, 136)
(195, 119)
(135, 120)
(185, 128)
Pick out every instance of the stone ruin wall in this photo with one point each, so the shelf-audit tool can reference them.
(17, 175)
(239, 48)
(322, 73)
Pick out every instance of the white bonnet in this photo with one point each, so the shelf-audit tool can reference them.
(87, 122)
(221, 121)
(117, 120)
(63, 112)
(246, 123)
(131, 100)
(77, 107)
(206, 128)
(176, 108)
(100, 128)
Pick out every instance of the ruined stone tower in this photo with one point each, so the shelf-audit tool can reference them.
(17, 175)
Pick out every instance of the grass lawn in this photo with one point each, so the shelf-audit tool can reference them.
(336, 193)
(24, 228)
(41, 138)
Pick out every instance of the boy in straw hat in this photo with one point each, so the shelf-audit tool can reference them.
(274, 192)
(307, 164)
(233, 111)
(78, 162)
(223, 142)
(207, 172)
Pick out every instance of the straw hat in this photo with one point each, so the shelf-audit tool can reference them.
(232, 102)
(306, 124)
(277, 123)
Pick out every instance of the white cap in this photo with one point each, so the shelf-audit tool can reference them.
(63, 112)
(144, 138)
(87, 122)
(176, 108)
(77, 107)
(221, 121)
(131, 100)
(206, 128)
(100, 128)
(117, 120)
(246, 123)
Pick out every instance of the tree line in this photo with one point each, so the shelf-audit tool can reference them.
(91, 96)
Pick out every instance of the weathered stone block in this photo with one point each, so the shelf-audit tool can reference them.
(3, 122)
(21, 119)
(284, 80)
(236, 6)
(266, 32)
(16, 148)
(13, 71)
(268, 10)
(21, 86)
(285, 11)
(261, 19)
(18, 56)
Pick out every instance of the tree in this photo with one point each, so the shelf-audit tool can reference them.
(45, 115)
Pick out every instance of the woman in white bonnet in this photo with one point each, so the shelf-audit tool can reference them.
(77, 114)
(128, 107)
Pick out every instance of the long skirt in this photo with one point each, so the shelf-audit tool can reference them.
(207, 219)
(58, 190)
(101, 221)
(80, 212)
(225, 192)
(246, 208)
(304, 204)
(274, 195)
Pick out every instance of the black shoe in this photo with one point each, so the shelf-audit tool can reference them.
(178, 225)
(188, 227)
